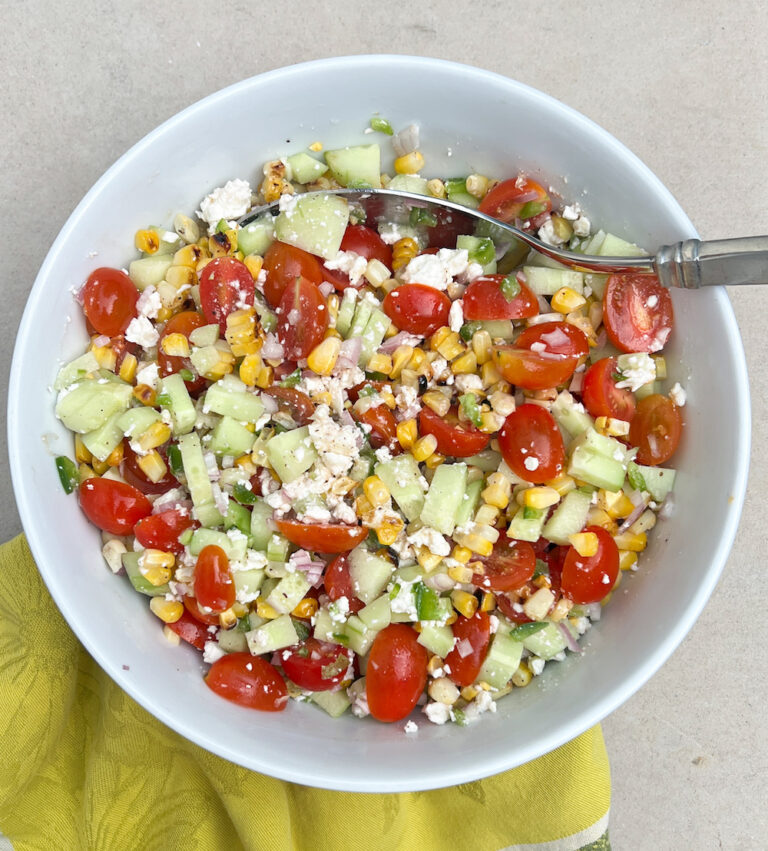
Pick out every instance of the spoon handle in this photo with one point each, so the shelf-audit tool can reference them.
(692, 264)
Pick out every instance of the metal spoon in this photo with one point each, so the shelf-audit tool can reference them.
(689, 264)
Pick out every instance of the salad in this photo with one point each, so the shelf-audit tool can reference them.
(373, 467)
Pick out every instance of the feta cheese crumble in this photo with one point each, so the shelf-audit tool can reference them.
(227, 202)
(640, 370)
(678, 395)
(351, 263)
(142, 332)
(436, 270)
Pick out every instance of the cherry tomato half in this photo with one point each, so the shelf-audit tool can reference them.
(365, 242)
(305, 664)
(297, 404)
(383, 428)
(473, 635)
(322, 537)
(225, 285)
(656, 429)
(249, 681)
(453, 437)
(302, 318)
(587, 579)
(484, 299)
(637, 312)
(214, 586)
(190, 630)
(338, 583)
(109, 300)
(509, 607)
(601, 396)
(283, 264)
(396, 673)
(417, 308)
(113, 506)
(510, 565)
(532, 445)
(194, 610)
(161, 531)
(516, 198)
(134, 475)
(181, 323)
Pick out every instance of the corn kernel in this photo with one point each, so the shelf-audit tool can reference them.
(497, 493)
(474, 542)
(152, 465)
(113, 554)
(627, 560)
(538, 604)
(189, 256)
(147, 241)
(376, 491)
(437, 401)
(586, 544)
(429, 561)
(379, 363)
(644, 523)
(128, 368)
(424, 447)
(464, 364)
(181, 276)
(322, 359)
(451, 347)
(584, 325)
(389, 528)
(489, 374)
(85, 472)
(400, 358)
(562, 607)
(169, 611)
(176, 345)
(228, 619)
(436, 188)
(403, 251)
(156, 435)
(540, 497)
(407, 433)
(477, 185)
(486, 515)
(240, 609)
(99, 467)
(490, 422)
(612, 427)
(250, 367)
(418, 361)
(481, 346)
(434, 461)
(617, 504)
(522, 676)
(363, 506)
(220, 244)
(376, 273)
(264, 610)
(82, 455)
(434, 665)
(105, 356)
(562, 484)
(316, 146)
(487, 602)
(305, 608)
(443, 690)
(155, 566)
(242, 332)
(599, 517)
(145, 394)
(265, 377)
(464, 602)
(186, 228)
(470, 692)
(460, 573)
(439, 337)
(461, 554)
(115, 457)
(630, 541)
(411, 163)
(595, 313)
(661, 366)
(566, 300)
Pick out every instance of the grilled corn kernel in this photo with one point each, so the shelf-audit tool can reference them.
(128, 368)
(424, 447)
(461, 554)
(463, 364)
(169, 611)
(617, 504)
(82, 455)
(152, 559)
(400, 358)
(435, 666)
(522, 676)
(428, 560)
(487, 602)
(437, 401)
(186, 228)
(253, 263)
(489, 374)
(599, 517)
(189, 256)
(376, 491)
(451, 347)
(627, 560)
(474, 542)
(644, 523)
(439, 336)
(538, 604)
(540, 497)
(586, 544)
(156, 435)
(403, 251)
(242, 332)
(144, 394)
(481, 346)
(376, 273)
(363, 506)
(245, 463)
(490, 422)
(418, 361)
(561, 610)
(469, 693)
(322, 359)
(176, 345)
(584, 325)
(389, 528)
(442, 690)
(147, 241)
(498, 490)
(411, 163)
(612, 427)
(562, 227)
(115, 457)
(379, 363)
(562, 484)
(152, 465)
(228, 619)
(460, 573)
(407, 433)
(631, 541)
(305, 608)
(436, 188)
(264, 610)
(477, 185)
(566, 300)
(250, 367)
(486, 515)
(265, 378)
(181, 276)
(464, 602)
(105, 356)
(434, 461)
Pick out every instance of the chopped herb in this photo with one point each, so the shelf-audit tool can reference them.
(243, 495)
(532, 208)
(338, 666)
(187, 374)
(395, 591)
(243, 625)
(368, 390)
(163, 400)
(302, 630)
(381, 125)
(420, 216)
(376, 376)
(510, 287)
(303, 652)
(468, 329)
(293, 379)
(471, 409)
(541, 569)
(68, 475)
(617, 376)
(520, 633)
(174, 459)
(268, 321)
(373, 539)
(636, 477)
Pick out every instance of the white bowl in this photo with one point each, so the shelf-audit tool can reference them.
(471, 120)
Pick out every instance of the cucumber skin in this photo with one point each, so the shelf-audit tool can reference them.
(568, 518)
(502, 661)
(198, 483)
(466, 509)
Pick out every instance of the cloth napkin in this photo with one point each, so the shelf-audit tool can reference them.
(82, 766)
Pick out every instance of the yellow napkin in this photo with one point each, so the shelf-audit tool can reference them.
(82, 766)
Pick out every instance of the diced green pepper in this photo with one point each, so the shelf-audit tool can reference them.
(510, 287)
(471, 409)
(68, 475)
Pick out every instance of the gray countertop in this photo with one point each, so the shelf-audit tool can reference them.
(682, 85)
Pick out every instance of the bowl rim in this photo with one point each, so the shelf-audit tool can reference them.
(446, 775)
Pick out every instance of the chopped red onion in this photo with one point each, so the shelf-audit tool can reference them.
(464, 648)
(403, 338)
(301, 560)
(573, 645)
(602, 338)
(272, 348)
(101, 340)
(577, 382)
(349, 354)
(270, 404)
(326, 289)
(406, 140)
(639, 509)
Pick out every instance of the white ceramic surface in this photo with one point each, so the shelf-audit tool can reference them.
(471, 120)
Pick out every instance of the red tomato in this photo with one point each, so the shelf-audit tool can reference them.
(191, 631)
(338, 583)
(121, 348)
(637, 312)
(382, 424)
(283, 264)
(207, 618)
(544, 355)
(655, 429)
(510, 565)
(484, 299)
(302, 318)
(181, 323)
(589, 579)
(365, 242)
(304, 664)
(135, 476)
(113, 506)
(249, 681)
(396, 673)
(507, 607)
(225, 285)
(601, 396)
(417, 308)
(214, 586)
(453, 437)
(532, 445)
(322, 537)
(161, 531)
(516, 198)
(473, 635)
(353, 394)
(295, 403)
(109, 300)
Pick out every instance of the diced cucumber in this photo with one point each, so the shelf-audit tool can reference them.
(401, 475)
(325, 629)
(527, 528)
(335, 703)
(89, 404)
(238, 517)
(315, 223)
(305, 168)
(502, 661)
(488, 460)
(277, 548)
(659, 481)
(373, 335)
(468, 505)
(357, 166)
(378, 614)
(287, 594)
(140, 583)
(596, 283)
(235, 549)
(596, 469)
(135, 421)
(568, 518)
(102, 441)
(169, 241)
(571, 415)
(260, 531)
(277, 570)
(370, 574)
(76, 370)
(592, 244)
(231, 438)
(615, 246)
(647, 390)
(230, 398)
(363, 311)
(499, 329)
(179, 405)
(205, 335)
(545, 281)
(464, 198)
(149, 271)
(272, 635)
(198, 483)
(346, 311)
(248, 582)
(547, 642)
(256, 236)
(359, 637)
(291, 453)
(437, 639)
(536, 259)
(232, 641)
(409, 183)
(444, 498)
